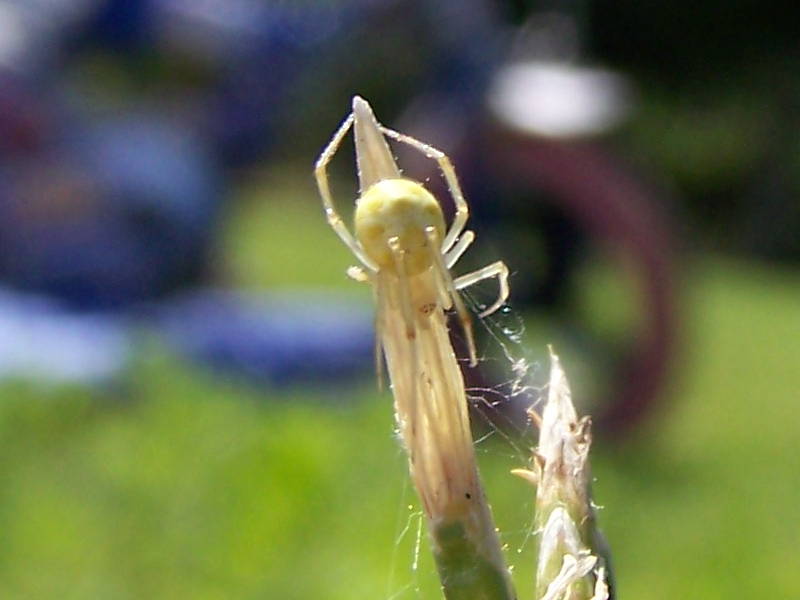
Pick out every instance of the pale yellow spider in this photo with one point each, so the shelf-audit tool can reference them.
(400, 238)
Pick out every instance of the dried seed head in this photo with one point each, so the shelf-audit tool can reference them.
(570, 565)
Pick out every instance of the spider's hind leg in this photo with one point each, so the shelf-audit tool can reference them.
(379, 327)
(407, 313)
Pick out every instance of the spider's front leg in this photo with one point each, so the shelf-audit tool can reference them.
(358, 274)
(334, 220)
(446, 167)
(452, 256)
(499, 270)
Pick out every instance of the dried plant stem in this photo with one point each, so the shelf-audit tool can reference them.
(433, 420)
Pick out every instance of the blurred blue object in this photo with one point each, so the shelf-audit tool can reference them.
(42, 341)
(275, 339)
(122, 24)
(119, 212)
(33, 32)
(264, 340)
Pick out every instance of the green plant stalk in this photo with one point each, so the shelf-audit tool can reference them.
(572, 562)
(465, 573)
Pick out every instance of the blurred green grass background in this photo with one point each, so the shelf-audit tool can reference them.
(180, 485)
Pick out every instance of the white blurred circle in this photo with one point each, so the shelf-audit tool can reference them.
(560, 100)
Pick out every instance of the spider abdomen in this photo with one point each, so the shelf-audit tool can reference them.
(402, 209)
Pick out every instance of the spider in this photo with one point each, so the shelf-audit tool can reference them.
(401, 240)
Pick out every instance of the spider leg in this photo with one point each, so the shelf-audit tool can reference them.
(446, 167)
(334, 220)
(450, 290)
(499, 270)
(358, 274)
(458, 249)
(407, 310)
(405, 291)
(377, 290)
